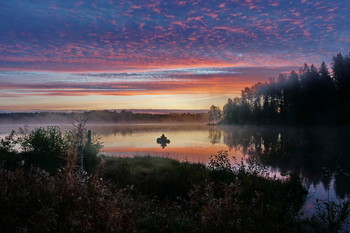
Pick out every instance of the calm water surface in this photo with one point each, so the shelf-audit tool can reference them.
(321, 156)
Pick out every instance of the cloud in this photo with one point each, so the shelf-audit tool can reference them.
(215, 80)
(65, 35)
(125, 47)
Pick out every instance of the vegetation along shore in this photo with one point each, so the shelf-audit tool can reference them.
(54, 181)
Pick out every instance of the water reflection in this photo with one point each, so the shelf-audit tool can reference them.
(319, 155)
(214, 135)
(188, 141)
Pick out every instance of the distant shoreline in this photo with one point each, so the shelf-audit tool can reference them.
(100, 116)
(145, 111)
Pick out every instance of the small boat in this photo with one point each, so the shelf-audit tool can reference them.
(163, 141)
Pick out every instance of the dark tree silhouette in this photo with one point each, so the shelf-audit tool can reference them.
(312, 96)
(341, 72)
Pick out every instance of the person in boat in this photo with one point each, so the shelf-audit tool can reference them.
(163, 141)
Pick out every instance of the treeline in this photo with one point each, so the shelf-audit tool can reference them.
(308, 97)
(104, 116)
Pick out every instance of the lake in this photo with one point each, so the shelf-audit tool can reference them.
(321, 156)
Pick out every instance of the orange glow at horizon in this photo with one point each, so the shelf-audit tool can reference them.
(207, 90)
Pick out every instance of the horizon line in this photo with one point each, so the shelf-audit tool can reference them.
(150, 111)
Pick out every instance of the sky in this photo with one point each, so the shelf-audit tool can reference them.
(157, 54)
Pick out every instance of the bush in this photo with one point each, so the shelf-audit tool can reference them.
(8, 154)
(330, 217)
(47, 148)
(249, 203)
(70, 201)
(220, 167)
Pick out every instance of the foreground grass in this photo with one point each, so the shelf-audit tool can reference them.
(207, 199)
(212, 199)
(161, 177)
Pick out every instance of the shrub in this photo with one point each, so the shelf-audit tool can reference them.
(331, 216)
(70, 201)
(220, 167)
(47, 148)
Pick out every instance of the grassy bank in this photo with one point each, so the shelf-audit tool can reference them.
(161, 177)
(162, 196)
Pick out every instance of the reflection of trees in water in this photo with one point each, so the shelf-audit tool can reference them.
(214, 135)
(317, 155)
(126, 132)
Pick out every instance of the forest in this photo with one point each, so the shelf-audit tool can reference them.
(311, 96)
